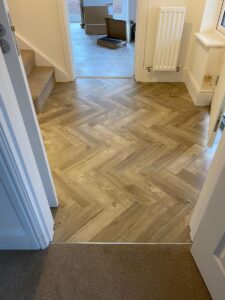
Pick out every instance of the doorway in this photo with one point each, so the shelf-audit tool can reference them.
(90, 59)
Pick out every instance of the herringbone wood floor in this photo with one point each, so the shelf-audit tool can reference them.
(128, 160)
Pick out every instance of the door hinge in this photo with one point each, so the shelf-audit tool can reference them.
(13, 29)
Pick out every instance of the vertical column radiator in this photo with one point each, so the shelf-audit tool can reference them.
(168, 38)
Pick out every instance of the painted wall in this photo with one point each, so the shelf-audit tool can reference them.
(132, 10)
(39, 27)
(195, 10)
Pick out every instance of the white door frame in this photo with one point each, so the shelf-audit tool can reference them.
(208, 188)
(20, 176)
(141, 21)
(140, 39)
(217, 107)
(19, 80)
(209, 227)
(66, 37)
(219, 159)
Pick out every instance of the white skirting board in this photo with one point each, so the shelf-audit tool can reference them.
(200, 97)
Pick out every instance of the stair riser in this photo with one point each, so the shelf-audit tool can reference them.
(42, 99)
(29, 65)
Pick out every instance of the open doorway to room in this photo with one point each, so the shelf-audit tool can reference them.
(88, 26)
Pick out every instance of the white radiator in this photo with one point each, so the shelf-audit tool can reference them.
(168, 38)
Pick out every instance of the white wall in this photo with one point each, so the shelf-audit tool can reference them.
(195, 10)
(132, 10)
(39, 27)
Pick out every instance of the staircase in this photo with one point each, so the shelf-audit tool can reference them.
(41, 79)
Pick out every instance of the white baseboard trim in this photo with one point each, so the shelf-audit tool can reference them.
(42, 60)
(199, 97)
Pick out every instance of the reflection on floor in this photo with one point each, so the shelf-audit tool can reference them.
(128, 159)
(95, 61)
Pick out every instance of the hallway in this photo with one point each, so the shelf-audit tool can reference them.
(128, 160)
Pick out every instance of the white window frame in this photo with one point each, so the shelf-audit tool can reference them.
(221, 28)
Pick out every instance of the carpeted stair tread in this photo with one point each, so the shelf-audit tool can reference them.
(28, 60)
(111, 271)
(41, 81)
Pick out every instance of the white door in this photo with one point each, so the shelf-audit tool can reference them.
(18, 77)
(217, 107)
(208, 227)
(25, 217)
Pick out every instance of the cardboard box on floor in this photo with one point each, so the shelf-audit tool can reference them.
(95, 29)
(116, 29)
(111, 43)
(94, 17)
(116, 34)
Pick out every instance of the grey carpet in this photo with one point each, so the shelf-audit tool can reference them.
(81, 271)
